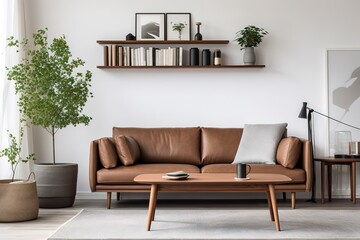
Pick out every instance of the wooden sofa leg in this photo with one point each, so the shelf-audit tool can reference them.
(293, 200)
(108, 200)
(118, 196)
(284, 196)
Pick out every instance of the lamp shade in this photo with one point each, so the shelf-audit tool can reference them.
(302, 113)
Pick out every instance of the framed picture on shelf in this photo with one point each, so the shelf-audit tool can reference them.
(178, 26)
(150, 26)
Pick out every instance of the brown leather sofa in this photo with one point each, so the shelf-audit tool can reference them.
(194, 150)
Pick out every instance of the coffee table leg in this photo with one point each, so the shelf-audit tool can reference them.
(152, 205)
(274, 206)
(270, 206)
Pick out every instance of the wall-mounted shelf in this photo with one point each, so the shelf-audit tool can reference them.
(118, 43)
(195, 67)
(163, 42)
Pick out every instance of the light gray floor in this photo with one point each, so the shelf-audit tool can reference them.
(50, 219)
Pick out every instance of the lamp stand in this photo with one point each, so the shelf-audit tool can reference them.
(310, 138)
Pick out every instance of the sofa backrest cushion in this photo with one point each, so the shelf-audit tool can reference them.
(107, 152)
(165, 145)
(128, 150)
(288, 152)
(219, 145)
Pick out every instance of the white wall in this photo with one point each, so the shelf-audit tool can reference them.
(294, 54)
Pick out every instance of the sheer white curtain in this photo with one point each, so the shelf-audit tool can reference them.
(12, 24)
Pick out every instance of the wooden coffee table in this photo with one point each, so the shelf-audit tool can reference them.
(214, 182)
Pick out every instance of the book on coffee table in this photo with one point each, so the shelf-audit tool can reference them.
(178, 175)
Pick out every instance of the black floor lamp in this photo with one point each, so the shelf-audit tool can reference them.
(308, 115)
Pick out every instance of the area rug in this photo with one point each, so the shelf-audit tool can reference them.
(211, 224)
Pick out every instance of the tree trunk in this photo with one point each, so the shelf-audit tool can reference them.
(53, 141)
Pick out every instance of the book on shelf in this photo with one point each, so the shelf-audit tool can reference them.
(127, 61)
(106, 57)
(180, 56)
(120, 56)
(115, 55)
(132, 57)
(109, 55)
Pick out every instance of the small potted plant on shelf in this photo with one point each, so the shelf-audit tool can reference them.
(52, 94)
(179, 27)
(248, 38)
(18, 198)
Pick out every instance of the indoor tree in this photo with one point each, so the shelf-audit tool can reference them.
(13, 151)
(52, 94)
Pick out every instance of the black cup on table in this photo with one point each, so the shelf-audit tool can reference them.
(242, 170)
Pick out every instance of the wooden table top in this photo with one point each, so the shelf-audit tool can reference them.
(336, 160)
(214, 178)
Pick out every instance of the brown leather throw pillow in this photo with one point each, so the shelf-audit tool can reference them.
(128, 149)
(288, 152)
(107, 152)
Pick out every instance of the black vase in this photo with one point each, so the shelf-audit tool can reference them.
(194, 57)
(198, 35)
(206, 56)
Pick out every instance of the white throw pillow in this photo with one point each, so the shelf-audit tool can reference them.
(259, 143)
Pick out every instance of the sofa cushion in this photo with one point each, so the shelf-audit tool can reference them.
(165, 145)
(259, 143)
(126, 174)
(288, 152)
(107, 152)
(127, 149)
(219, 145)
(297, 175)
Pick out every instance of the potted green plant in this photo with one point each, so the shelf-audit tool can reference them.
(52, 94)
(248, 38)
(18, 198)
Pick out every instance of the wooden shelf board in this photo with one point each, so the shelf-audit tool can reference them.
(189, 67)
(163, 42)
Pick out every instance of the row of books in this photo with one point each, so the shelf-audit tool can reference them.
(115, 55)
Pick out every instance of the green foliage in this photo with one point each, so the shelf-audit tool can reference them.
(179, 27)
(12, 153)
(250, 36)
(51, 93)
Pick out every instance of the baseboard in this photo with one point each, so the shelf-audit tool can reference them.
(90, 195)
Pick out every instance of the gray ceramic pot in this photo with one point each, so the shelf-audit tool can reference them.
(56, 184)
(249, 56)
(18, 201)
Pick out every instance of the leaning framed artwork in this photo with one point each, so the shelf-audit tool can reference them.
(343, 79)
(150, 26)
(178, 26)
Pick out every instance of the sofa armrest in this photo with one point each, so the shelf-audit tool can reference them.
(94, 164)
(307, 163)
